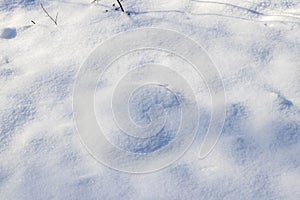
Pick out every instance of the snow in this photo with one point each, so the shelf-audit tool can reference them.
(8, 33)
(254, 44)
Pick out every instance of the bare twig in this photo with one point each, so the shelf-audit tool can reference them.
(120, 5)
(54, 20)
(33, 21)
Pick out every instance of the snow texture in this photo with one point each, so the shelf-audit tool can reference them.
(256, 47)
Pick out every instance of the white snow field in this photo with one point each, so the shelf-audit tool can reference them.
(254, 44)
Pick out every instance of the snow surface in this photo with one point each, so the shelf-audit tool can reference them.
(256, 47)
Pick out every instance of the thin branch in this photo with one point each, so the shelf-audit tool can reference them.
(56, 18)
(55, 21)
(120, 5)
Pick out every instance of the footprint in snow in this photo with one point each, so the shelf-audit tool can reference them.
(8, 33)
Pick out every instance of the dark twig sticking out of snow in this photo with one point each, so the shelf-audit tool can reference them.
(32, 21)
(120, 5)
(54, 20)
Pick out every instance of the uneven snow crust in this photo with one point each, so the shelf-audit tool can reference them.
(254, 44)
